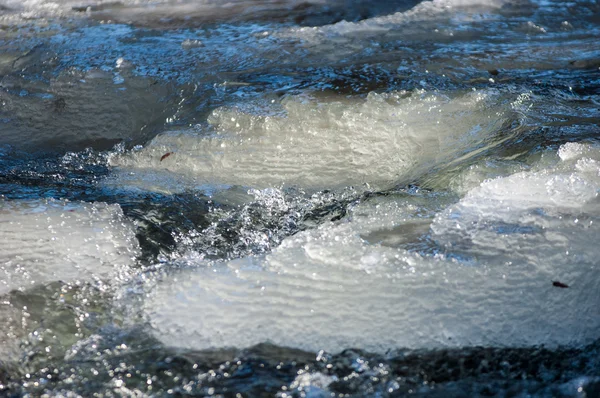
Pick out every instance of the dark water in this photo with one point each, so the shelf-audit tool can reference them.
(285, 198)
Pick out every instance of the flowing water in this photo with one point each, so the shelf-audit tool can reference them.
(286, 198)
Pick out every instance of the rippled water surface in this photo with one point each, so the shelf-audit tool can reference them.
(300, 198)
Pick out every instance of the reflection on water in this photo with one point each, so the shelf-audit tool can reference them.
(299, 198)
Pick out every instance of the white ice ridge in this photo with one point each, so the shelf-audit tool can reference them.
(501, 247)
(40, 8)
(325, 143)
(139, 10)
(426, 12)
(49, 240)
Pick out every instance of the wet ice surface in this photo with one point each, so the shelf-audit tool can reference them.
(381, 140)
(47, 240)
(281, 198)
(327, 288)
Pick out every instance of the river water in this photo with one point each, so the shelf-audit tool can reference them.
(288, 198)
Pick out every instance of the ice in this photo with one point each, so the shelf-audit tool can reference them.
(311, 384)
(576, 151)
(325, 143)
(49, 240)
(57, 8)
(416, 23)
(194, 12)
(46, 244)
(532, 211)
(488, 283)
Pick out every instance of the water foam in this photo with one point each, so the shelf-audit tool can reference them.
(330, 143)
(489, 284)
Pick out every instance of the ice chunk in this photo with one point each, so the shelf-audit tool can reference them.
(488, 282)
(328, 143)
(575, 150)
(49, 240)
(415, 23)
(314, 293)
(531, 211)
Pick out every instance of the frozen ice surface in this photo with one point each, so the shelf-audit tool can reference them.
(337, 142)
(49, 240)
(505, 243)
(540, 206)
(178, 12)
